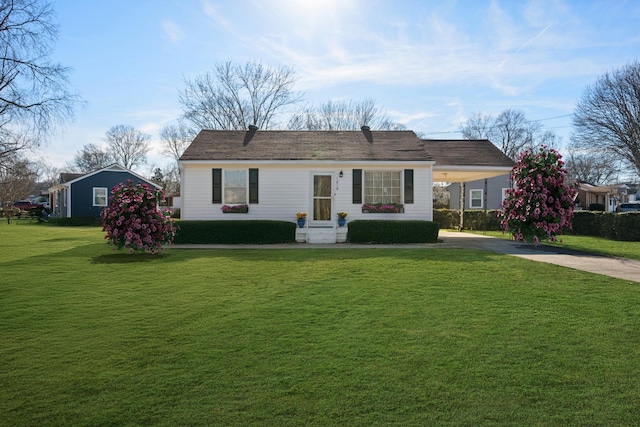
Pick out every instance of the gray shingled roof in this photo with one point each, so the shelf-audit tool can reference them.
(66, 177)
(342, 145)
(475, 152)
(307, 145)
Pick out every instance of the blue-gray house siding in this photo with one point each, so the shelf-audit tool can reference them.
(78, 193)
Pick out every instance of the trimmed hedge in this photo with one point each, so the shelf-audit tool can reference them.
(473, 219)
(75, 221)
(614, 226)
(235, 232)
(386, 231)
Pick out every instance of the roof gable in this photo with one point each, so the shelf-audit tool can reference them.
(257, 145)
(111, 168)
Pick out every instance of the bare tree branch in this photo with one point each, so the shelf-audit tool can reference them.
(344, 115)
(607, 117)
(236, 96)
(33, 91)
(510, 131)
(175, 139)
(127, 145)
(91, 158)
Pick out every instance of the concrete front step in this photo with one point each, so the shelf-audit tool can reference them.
(321, 234)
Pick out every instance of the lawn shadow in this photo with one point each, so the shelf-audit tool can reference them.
(126, 258)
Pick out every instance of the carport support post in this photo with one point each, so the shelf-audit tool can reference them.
(463, 190)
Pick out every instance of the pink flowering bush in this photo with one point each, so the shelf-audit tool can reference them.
(541, 205)
(133, 220)
(235, 208)
(383, 207)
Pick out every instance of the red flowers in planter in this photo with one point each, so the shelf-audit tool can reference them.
(383, 208)
(235, 208)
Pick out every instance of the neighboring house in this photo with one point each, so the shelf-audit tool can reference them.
(488, 193)
(608, 196)
(279, 173)
(85, 195)
(172, 201)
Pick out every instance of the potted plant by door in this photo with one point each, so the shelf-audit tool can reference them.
(302, 219)
(342, 219)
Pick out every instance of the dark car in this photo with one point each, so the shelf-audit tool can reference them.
(629, 207)
(26, 205)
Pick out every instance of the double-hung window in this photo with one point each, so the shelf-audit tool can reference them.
(382, 187)
(235, 186)
(100, 196)
(476, 199)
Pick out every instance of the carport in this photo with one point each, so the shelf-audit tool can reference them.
(463, 161)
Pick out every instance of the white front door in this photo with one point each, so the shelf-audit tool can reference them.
(322, 199)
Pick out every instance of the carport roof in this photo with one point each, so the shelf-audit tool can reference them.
(466, 160)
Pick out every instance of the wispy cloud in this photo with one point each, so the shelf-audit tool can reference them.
(172, 31)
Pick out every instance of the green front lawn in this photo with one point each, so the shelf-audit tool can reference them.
(307, 337)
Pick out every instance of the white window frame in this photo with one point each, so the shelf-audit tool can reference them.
(226, 189)
(97, 190)
(370, 198)
(504, 193)
(472, 199)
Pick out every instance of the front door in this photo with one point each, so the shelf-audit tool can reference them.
(322, 199)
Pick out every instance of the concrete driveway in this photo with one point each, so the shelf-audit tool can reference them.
(620, 268)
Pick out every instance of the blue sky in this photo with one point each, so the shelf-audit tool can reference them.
(429, 64)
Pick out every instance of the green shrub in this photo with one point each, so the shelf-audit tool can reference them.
(75, 221)
(385, 231)
(627, 226)
(473, 219)
(614, 226)
(481, 220)
(235, 232)
(596, 207)
(586, 223)
(447, 218)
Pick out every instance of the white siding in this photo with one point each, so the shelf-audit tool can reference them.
(285, 189)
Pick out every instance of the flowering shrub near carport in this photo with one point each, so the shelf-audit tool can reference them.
(541, 204)
(133, 220)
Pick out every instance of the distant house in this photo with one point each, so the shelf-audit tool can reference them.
(488, 193)
(275, 174)
(605, 197)
(85, 195)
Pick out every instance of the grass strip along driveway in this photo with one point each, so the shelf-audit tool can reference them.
(309, 337)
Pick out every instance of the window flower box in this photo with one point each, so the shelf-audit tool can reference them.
(382, 208)
(235, 208)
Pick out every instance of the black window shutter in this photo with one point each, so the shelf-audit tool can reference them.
(408, 185)
(217, 186)
(357, 186)
(253, 185)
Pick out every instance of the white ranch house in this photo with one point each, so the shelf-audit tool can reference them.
(279, 173)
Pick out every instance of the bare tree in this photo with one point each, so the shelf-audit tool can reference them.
(510, 131)
(48, 175)
(128, 146)
(592, 167)
(12, 143)
(345, 115)
(33, 91)
(91, 158)
(17, 180)
(607, 117)
(235, 96)
(478, 126)
(175, 139)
